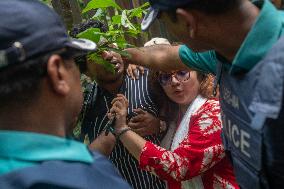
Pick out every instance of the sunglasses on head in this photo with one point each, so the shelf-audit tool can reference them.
(166, 78)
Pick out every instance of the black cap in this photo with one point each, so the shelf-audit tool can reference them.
(29, 28)
(156, 6)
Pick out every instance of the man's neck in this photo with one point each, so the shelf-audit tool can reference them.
(112, 87)
(234, 29)
(30, 119)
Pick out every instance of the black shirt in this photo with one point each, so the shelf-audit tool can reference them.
(138, 94)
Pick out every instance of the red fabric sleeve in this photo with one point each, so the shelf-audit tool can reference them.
(197, 153)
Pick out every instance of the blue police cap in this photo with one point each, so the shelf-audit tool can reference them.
(156, 6)
(29, 28)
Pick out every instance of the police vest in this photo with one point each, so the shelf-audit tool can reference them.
(253, 121)
(66, 175)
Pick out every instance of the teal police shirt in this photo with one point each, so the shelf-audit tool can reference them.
(265, 32)
(24, 149)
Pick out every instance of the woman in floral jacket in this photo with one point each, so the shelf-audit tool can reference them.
(196, 158)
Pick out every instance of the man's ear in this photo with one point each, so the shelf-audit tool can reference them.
(58, 75)
(190, 19)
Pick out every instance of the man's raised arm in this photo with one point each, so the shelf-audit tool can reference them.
(159, 57)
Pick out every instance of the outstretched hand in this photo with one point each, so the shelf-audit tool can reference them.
(111, 56)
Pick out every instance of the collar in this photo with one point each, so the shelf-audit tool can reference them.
(122, 88)
(265, 32)
(183, 128)
(30, 146)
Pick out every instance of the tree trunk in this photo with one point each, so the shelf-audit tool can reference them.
(69, 10)
(76, 12)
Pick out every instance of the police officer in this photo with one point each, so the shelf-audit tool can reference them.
(278, 3)
(236, 41)
(40, 98)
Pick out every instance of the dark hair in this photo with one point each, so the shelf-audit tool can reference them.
(20, 83)
(82, 60)
(212, 6)
(168, 108)
(86, 25)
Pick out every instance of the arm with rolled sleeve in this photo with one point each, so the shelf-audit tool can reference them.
(204, 62)
(168, 58)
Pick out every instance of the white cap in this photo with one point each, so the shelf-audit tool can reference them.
(157, 41)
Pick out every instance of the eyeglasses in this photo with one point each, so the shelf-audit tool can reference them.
(166, 78)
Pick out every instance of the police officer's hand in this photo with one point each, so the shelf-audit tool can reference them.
(144, 123)
(111, 56)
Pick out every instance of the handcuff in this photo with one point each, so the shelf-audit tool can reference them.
(109, 129)
(109, 126)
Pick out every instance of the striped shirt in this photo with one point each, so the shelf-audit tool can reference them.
(138, 95)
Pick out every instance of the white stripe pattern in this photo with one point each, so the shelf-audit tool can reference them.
(138, 95)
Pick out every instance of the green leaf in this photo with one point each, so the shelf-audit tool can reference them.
(145, 5)
(97, 59)
(138, 12)
(125, 21)
(99, 13)
(95, 4)
(116, 19)
(92, 34)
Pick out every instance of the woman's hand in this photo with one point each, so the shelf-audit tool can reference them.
(132, 71)
(119, 110)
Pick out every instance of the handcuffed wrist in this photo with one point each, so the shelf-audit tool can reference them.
(120, 132)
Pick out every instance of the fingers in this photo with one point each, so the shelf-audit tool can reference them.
(107, 55)
(136, 75)
(121, 98)
(139, 111)
(138, 118)
(116, 57)
(119, 105)
(110, 115)
(136, 125)
(114, 60)
(132, 71)
(111, 56)
(141, 68)
(129, 71)
(114, 111)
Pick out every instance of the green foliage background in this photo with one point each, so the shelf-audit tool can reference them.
(121, 24)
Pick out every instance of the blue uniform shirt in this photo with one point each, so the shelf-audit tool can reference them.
(33, 160)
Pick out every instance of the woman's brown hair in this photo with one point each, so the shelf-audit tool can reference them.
(168, 108)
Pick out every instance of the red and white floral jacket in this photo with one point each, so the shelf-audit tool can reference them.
(199, 160)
